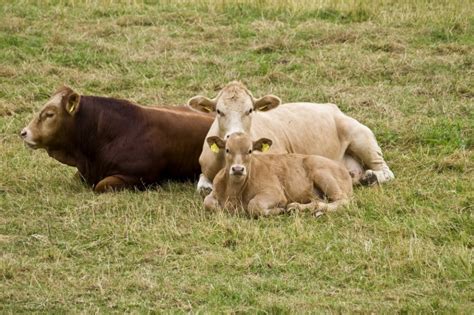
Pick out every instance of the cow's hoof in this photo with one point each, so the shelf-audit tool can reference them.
(317, 214)
(369, 178)
(293, 207)
(204, 191)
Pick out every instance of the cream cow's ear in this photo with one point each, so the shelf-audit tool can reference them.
(262, 144)
(202, 104)
(266, 102)
(215, 143)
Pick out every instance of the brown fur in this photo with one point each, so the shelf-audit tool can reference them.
(116, 144)
(274, 183)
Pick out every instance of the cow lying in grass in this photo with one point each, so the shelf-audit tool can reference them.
(116, 144)
(267, 184)
(304, 128)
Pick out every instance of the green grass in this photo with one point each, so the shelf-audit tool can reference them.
(404, 68)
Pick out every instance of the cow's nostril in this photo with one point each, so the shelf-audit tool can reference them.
(23, 133)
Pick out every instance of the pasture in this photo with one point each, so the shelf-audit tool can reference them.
(403, 68)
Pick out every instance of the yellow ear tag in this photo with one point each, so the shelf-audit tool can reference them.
(265, 147)
(72, 108)
(214, 148)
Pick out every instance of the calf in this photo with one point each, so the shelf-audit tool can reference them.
(266, 184)
(116, 144)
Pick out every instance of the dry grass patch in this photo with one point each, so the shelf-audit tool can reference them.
(403, 68)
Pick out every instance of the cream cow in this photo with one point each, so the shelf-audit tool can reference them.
(267, 184)
(304, 128)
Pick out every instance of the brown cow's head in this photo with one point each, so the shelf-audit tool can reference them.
(49, 128)
(234, 105)
(238, 151)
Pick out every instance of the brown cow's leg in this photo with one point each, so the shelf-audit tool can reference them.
(114, 183)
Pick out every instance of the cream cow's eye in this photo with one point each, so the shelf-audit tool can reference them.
(250, 151)
(227, 151)
(250, 111)
(219, 113)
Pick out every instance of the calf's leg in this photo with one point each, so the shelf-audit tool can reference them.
(114, 183)
(336, 190)
(265, 205)
(211, 203)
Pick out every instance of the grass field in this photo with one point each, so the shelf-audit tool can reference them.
(404, 68)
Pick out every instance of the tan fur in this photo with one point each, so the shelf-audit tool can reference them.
(304, 128)
(274, 183)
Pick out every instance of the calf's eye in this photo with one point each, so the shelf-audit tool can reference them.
(249, 111)
(226, 150)
(250, 151)
(219, 113)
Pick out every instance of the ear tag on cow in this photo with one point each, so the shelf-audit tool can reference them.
(71, 109)
(214, 148)
(265, 147)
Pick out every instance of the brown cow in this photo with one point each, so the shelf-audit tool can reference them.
(266, 184)
(116, 144)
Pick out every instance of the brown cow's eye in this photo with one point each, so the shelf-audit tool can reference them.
(226, 150)
(49, 115)
(250, 151)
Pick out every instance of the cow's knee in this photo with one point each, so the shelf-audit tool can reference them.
(110, 183)
(204, 186)
(211, 203)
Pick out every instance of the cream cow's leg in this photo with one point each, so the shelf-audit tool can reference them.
(204, 186)
(364, 147)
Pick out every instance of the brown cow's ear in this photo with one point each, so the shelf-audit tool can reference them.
(262, 145)
(266, 103)
(72, 103)
(202, 104)
(215, 143)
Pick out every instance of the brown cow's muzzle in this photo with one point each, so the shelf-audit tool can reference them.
(25, 134)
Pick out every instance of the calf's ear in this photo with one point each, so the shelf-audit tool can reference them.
(202, 104)
(215, 143)
(266, 102)
(72, 103)
(262, 144)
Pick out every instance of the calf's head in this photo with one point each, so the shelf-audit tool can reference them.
(238, 152)
(50, 127)
(235, 106)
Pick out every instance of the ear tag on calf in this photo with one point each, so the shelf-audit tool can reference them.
(265, 147)
(214, 148)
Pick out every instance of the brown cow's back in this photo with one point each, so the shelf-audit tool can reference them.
(117, 137)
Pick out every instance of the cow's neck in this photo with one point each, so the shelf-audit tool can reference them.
(64, 156)
(234, 189)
